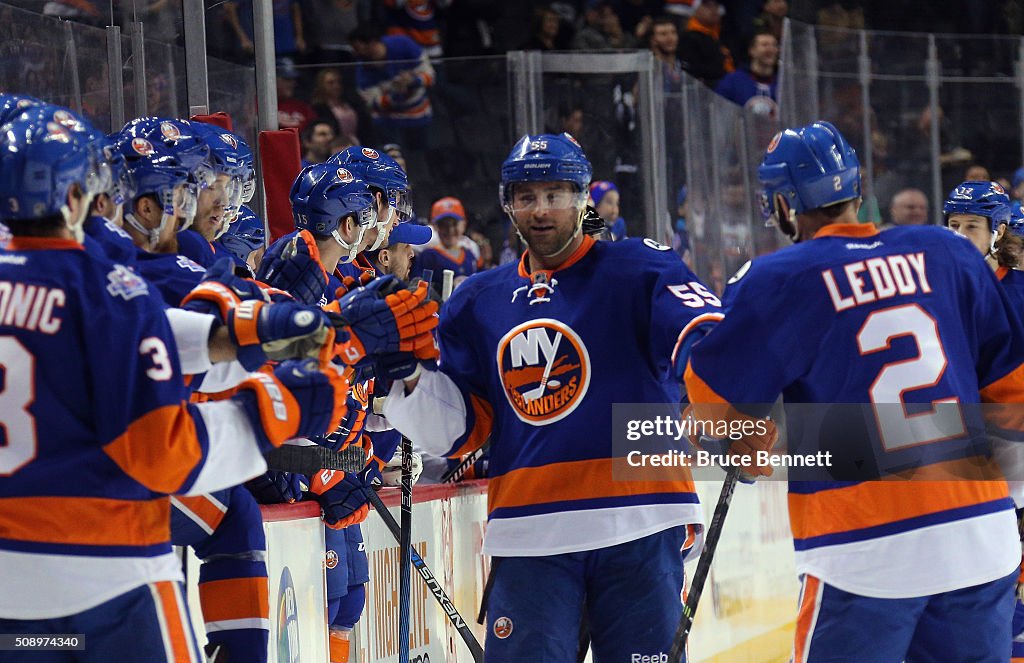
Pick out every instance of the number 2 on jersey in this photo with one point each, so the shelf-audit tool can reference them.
(899, 429)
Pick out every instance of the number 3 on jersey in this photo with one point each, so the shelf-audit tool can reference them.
(900, 430)
(18, 438)
(18, 444)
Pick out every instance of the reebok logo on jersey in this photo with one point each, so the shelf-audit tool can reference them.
(544, 369)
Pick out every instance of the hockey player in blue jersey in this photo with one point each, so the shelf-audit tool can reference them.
(84, 479)
(533, 355)
(913, 322)
(981, 212)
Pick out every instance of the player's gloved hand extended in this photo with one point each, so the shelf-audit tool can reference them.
(299, 399)
(260, 329)
(293, 265)
(752, 436)
(400, 366)
(383, 317)
(276, 487)
(342, 498)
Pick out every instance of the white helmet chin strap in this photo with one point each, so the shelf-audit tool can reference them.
(353, 248)
(992, 250)
(381, 225)
(152, 234)
(73, 224)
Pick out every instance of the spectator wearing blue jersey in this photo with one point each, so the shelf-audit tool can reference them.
(755, 86)
(393, 77)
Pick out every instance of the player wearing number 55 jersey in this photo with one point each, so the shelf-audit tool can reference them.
(909, 321)
(96, 427)
(533, 355)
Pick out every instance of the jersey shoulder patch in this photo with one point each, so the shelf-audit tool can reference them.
(123, 282)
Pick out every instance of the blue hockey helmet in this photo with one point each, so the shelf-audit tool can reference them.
(806, 168)
(980, 198)
(381, 171)
(13, 105)
(40, 160)
(323, 195)
(157, 170)
(545, 158)
(101, 178)
(245, 235)
(1017, 219)
(230, 157)
(182, 139)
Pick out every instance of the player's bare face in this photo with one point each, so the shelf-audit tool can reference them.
(546, 215)
(212, 201)
(399, 259)
(975, 228)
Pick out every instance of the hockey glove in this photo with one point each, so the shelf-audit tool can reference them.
(392, 472)
(297, 400)
(593, 224)
(276, 487)
(293, 265)
(342, 498)
(259, 329)
(381, 317)
(350, 430)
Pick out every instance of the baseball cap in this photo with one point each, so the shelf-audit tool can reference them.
(409, 233)
(449, 206)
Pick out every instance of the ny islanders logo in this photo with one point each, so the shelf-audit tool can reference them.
(545, 370)
(370, 153)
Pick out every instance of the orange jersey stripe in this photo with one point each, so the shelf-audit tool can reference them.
(159, 449)
(235, 598)
(699, 391)
(90, 521)
(590, 479)
(806, 617)
(887, 501)
(177, 633)
(206, 509)
(1008, 393)
(481, 427)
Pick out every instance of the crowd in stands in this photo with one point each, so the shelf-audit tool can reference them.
(370, 72)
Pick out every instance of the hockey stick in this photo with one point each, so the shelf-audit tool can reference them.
(447, 284)
(428, 578)
(700, 576)
(537, 392)
(459, 471)
(405, 544)
(310, 460)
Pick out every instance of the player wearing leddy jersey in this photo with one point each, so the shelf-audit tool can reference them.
(533, 355)
(908, 322)
(98, 430)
